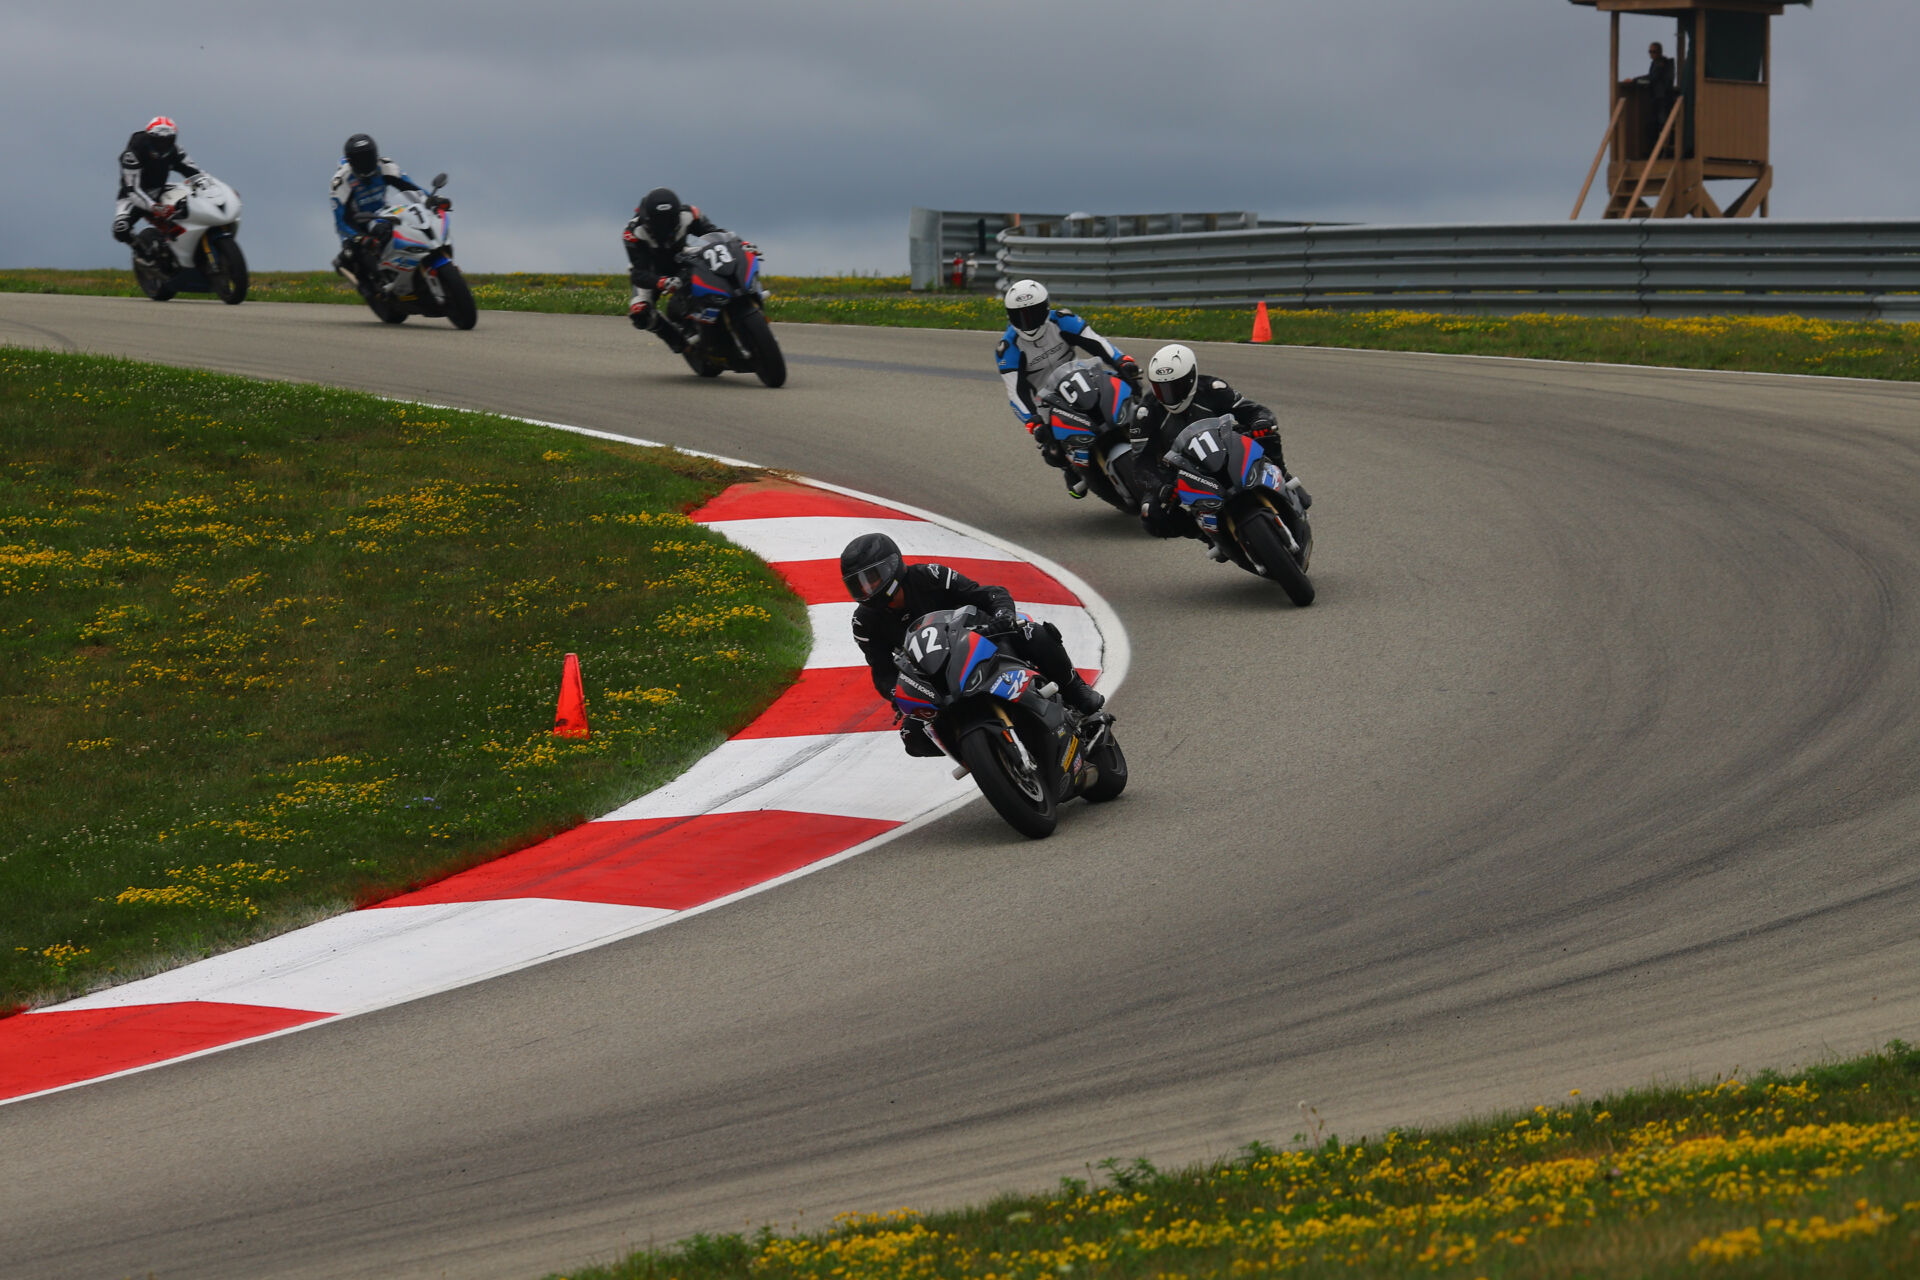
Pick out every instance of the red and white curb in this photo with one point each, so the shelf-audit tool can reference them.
(818, 778)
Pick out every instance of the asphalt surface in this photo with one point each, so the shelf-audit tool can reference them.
(1595, 764)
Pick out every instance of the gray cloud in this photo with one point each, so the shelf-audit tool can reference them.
(812, 129)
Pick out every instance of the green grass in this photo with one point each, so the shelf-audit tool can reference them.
(1814, 1175)
(270, 650)
(1760, 344)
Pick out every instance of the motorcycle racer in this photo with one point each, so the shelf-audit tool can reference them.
(150, 155)
(359, 193)
(1182, 397)
(1040, 341)
(890, 594)
(654, 237)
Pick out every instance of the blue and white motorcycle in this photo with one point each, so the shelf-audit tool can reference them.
(416, 275)
(1090, 412)
(1242, 502)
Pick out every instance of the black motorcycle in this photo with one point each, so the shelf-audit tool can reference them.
(1090, 412)
(723, 310)
(1027, 750)
(1240, 500)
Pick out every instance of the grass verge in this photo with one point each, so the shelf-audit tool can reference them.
(1813, 1175)
(269, 650)
(1756, 344)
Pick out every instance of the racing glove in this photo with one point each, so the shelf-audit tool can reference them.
(163, 212)
(666, 284)
(1130, 370)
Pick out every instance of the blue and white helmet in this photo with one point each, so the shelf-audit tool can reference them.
(1027, 307)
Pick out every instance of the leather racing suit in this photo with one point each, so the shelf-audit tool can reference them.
(879, 629)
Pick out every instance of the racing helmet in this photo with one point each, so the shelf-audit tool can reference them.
(162, 135)
(1174, 375)
(1027, 306)
(660, 210)
(362, 154)
(871, 567)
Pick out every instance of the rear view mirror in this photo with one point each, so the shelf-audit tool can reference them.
(439, 181)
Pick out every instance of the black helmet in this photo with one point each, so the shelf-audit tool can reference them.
(871, 567)
(363, 154)
(660, 210)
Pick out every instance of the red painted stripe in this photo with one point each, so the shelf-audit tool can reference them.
(818, 581)
(672, 863)
(65, 1046)
(769, 499)
(824, 700)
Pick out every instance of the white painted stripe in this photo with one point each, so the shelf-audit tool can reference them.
(833, 644)
(854, 775)
(824, 537)
(385, 955)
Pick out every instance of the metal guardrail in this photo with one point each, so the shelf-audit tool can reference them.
(1861, 269)
(936, 236)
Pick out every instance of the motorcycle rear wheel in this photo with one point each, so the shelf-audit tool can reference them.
(768, 363)
(1111, 761)
(1025, 799)
(227, 269)
(151, 281)
(1258, 535)
(459, 303)
(1097, 480)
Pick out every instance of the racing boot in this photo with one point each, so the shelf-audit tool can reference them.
(1082, 697)
(669, 333)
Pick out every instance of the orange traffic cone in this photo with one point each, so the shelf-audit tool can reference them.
(1262, 329)
(570, 718)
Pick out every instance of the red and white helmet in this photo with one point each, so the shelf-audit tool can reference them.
(161, 127)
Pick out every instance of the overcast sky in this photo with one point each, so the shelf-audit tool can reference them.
(813, 128)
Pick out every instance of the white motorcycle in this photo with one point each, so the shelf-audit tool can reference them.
(415, 275)
(193, 249)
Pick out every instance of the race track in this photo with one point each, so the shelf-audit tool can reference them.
(1597, 762)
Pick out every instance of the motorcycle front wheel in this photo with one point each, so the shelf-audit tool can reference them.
(227, 268)
(458, 302)
(768, 363)
(1258, 535)
(1019, 790)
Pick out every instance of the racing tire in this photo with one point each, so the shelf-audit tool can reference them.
(458, 305)
(697, 361)
(155, 285)
(1028, 804)
(1102, 487)
(1258, 535)
(769, 365)
(383, 304)
(227, 269)
(1111, 761)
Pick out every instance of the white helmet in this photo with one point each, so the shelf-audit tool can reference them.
(1175, 376)
(1027, 307)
